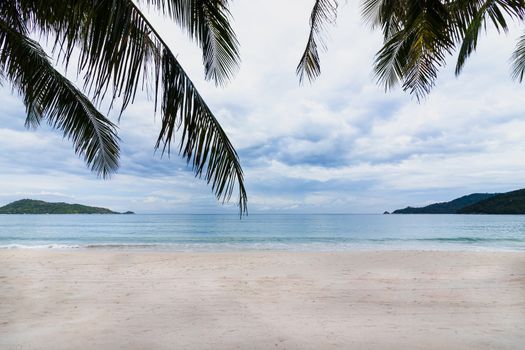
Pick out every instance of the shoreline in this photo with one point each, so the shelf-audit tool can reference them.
(218, 248)
(96, 298)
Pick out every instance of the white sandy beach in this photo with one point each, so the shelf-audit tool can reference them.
(101, 299)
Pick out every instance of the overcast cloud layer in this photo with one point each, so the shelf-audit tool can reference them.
(341, 145)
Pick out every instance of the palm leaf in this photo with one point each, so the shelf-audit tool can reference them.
(203, 143)
(471, 18)
(120, 53)
(389, 66)
(208, 23)
(469, 40)
(415, 53)
(518, 60)
(324, 11)
(385, 14)
(419, 35)
(51, 97)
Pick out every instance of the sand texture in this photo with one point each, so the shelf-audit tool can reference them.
(102, 299)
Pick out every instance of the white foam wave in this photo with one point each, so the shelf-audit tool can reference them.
(41, 246)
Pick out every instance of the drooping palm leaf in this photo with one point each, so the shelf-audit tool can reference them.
(208, 23)
(518, 60)
(469, 39)
(389, 64)
(419, 35)
(120, 53)
(51, 97)
(385, 14)
(203, 141)
(471, 18)
(323, 12)
(417, 50)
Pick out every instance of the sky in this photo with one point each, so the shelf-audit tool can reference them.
(339, 145)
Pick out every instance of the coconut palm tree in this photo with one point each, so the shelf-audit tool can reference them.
(419, 35)
(117, 52)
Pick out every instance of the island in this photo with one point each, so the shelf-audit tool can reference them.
(477, 203)
(31, 206)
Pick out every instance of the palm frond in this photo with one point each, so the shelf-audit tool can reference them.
(518, 60)
(416, 52)
(120, 53)
(470, 18)
(323, 12)
(204, 143)
(10, 14)
(469, 40)
(389, 65)
(50, 96)
(385, 14)
(208, 23)
(419, 35)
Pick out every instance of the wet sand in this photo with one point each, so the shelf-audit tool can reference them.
(103, 299)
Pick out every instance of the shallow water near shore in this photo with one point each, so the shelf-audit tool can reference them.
(264, 232)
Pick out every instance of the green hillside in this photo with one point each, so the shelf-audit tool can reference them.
(505, 203)
(30, 206)
(452, 207)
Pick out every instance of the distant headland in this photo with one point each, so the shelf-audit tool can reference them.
(31, 206)
(477, 203)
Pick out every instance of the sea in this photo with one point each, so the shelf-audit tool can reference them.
(264, 232)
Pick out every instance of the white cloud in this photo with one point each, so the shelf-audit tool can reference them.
(340, 144)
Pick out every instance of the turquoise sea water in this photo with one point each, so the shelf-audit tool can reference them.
(264, 232)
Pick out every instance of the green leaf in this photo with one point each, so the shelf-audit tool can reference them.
(518, 60)
(51, 97)
(121, 53)
(323, 12)
(208, 23)
(415, 53)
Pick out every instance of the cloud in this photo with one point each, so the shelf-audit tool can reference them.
(339, 145)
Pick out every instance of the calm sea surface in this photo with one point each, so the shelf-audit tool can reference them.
(264, 232)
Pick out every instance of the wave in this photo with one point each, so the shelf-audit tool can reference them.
(451, 239)
(40, 246)
(473, 239)
(304, 244)
(124, 246)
